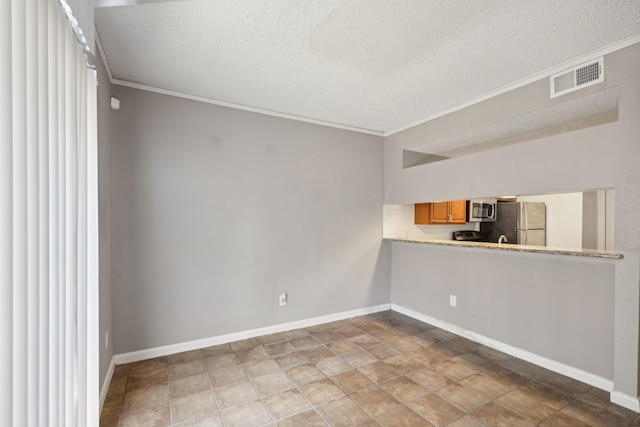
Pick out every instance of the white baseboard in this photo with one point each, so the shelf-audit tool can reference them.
(625, 400)
(106, 382)
(561, 368)
(135, 356)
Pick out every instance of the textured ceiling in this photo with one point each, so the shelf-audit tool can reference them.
(377, 65)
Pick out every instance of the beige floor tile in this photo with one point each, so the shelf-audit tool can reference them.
(405, 345)
(366, 341)
(221, 361)
(247, 414)
(526, 406)
(188, 385)
(234, 394)
(327, 337)
(404, 389)
(147, 377)
(209, 420)
(155, 416)
(279, 348)
(256, 353)
(375, 400)
(343, 412)
(267, 385)
(261, 367)
(305, 342)
(247, 344)
(286, 403)
(112, 406)
(192, 406)
(216, 350)
(271, 339)
(148, 364)
(340, 347)
(226, 376)
(523, 367)
(358, 358)
(483, 383)
(402, 417)
(547, 395)
(379, 372)
(333, 365)
(384, 351)
(453, 370)
(426, 356)
(186, 356)
(187, 369)
(118, 385)
(305, 374)
(308, 418)
(352, 381)
(322, 391)
(466, 421)
(384, 369)
(562, 420)
(463, 397)
(404, 363)
(291, 360)
(347, 331)
(565, 384)
(494, 414)
(598, 415)
(436, 410)
(109, 422)
(316, 354)
(145, 397)
(295, 333)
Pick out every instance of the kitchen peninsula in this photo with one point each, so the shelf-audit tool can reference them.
(514, 248)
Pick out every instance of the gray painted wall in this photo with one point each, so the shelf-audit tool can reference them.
(557, 306)
(215, 211)
(605, 156)
(104, 215)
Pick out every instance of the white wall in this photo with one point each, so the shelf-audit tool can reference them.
(605, 156)
(398, 222)
(215, 211)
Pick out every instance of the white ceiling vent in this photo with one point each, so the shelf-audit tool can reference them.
(577, 77)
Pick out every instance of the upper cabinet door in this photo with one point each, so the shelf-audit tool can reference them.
(458, 211)
(440, 213)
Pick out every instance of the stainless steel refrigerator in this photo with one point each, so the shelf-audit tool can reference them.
(523, 223)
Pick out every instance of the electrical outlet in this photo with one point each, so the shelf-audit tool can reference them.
(452, 300)
(282, 300)
(106, 340)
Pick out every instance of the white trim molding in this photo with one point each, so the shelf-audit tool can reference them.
(136, 356)
(625, 400)
(561, 368)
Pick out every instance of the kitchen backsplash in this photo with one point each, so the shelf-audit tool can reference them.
(397, 223)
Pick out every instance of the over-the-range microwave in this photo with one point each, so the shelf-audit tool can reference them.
(481, 210)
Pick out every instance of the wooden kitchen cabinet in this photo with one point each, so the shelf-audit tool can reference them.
(453, 212)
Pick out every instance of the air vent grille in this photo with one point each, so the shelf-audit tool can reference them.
(578, 77)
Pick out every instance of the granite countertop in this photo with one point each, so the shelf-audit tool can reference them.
(514, 248)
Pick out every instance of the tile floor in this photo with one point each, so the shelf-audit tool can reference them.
(383, 369)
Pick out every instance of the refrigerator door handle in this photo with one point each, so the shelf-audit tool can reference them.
(524, 236)
(526, 216)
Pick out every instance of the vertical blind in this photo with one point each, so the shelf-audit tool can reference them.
(48, 218)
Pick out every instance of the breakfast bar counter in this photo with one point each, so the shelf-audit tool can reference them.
(514, 248)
